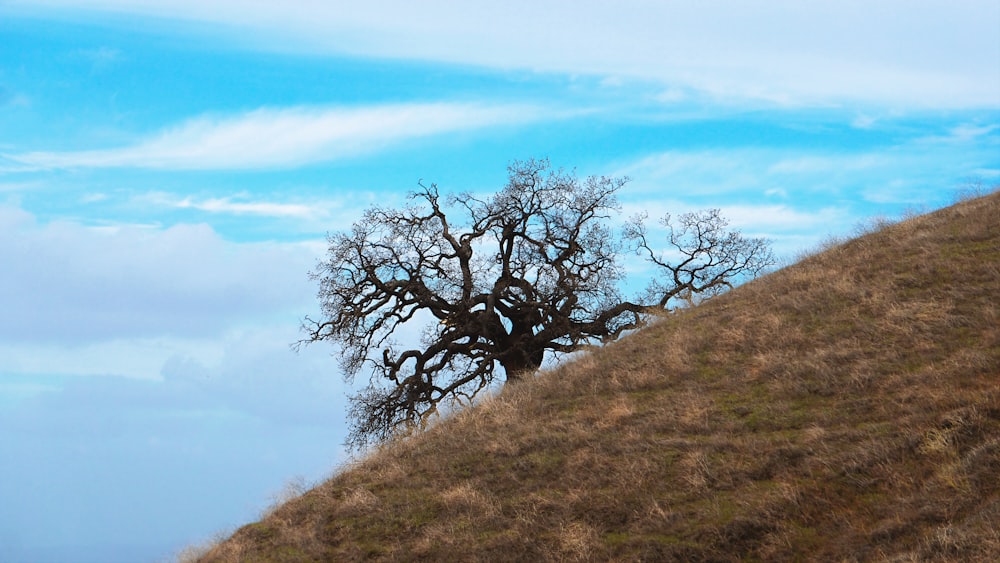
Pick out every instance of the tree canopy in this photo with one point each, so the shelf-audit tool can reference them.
(497, 283)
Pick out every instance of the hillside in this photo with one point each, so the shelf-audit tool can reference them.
(844, 408)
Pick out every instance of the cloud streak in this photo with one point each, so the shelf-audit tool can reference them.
(280, 138)
(935, 53)
(913, 171)
(267, 209)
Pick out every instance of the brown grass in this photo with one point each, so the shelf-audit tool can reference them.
(846, 408)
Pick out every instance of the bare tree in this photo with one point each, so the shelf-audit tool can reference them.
(529, 271)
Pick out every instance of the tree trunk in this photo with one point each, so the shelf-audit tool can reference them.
(521, 357)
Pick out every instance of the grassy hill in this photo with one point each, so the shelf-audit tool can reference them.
(844, 408)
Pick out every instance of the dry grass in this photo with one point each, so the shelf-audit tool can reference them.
(846, 408)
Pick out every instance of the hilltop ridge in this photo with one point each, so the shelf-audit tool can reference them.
(846, 407)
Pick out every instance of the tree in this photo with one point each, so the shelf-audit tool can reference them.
(530, 271)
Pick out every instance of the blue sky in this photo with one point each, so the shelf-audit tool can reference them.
(169, 170)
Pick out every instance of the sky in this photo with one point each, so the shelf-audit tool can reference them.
(169, 171)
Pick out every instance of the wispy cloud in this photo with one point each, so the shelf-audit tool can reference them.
(277, 138)
(914, 171)
(934, 53)
(18, 186)
(965, 133)
(763, 219)
(308, 215)
(227, 205)
(773, 220)
(10, 165)
(815, 164)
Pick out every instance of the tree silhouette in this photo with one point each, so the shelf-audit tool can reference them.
(532, 270)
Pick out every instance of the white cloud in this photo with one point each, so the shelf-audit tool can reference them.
(302, 216)
(919, 171)
(822, 192)
(68, 284)
(227, 205)
(10, 165)
(990, 174)
(967, 132)
(813, 164)
(963, 137)
(710, 170)
(276, 138)
(18, 186)
(935, 53)
(672, 96)
(760, 219)
(773, 220)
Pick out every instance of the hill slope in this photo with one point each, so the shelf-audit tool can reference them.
(844, 408)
